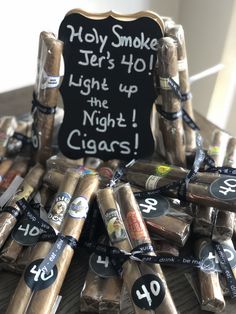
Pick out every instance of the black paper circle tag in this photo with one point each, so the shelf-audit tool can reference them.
(224, 188)
(27, 232)
(101, 266)
(153, 207)
(148, 292)
(37, 279)
(208, 255)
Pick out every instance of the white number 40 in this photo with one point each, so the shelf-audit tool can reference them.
(150, 203)
(155, 290)
(40, 274)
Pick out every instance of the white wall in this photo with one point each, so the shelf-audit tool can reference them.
(22, 21)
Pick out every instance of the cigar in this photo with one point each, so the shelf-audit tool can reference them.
(72, 226)
(230, 155)
(8, 218)
(7, 128)
(168, 22)
(169, 171)
(197, 193)
(60, 163)
(177, 33)
(19, 168)
(119, 238)
(212, 298)
(12, 249)
(5, 166)
(53, 178)
(166, 248)
(46, 92)
(99, 294)
(172, 130)
(92, 162)
(106, 170)
(223, 227)
(138, 235)
(23, 292)
(21, 134)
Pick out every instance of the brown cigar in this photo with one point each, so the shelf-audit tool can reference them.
(19, 168)
(23, 292)
(12, 249)
(53, 179)
(119, 238)
(7, 127)
(106, 170)
(224, 220)
(212, 298)
(197, 193)
(26, 190)
(5, 165)
(230, 155)
(72, 226)
(172, 130)
(46, 92)
(60, 163)
(165, 248)
(138, 235)
(176, 31)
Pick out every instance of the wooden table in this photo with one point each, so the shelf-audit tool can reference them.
(19, 101)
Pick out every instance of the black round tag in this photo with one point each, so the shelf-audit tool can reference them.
(153, 207)
(224, 188)
(26, 232)
(148, 292)
(101, 266)
(209, 255)
(38, 280)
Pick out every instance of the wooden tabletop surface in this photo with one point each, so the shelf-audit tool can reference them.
(17, 102)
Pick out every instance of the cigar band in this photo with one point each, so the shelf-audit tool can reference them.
(14, 211)
(115, 226)
(59, 207)
(105, 172)
(214, 150)
(49, 81)
(151, 183)
(136, 229)
(79, 208)
(182, 65)
(164, 82)
(163, 170)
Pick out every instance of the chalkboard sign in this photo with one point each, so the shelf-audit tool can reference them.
(108, 88)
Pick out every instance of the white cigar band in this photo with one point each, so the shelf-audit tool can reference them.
(164, 82)
(182, 65)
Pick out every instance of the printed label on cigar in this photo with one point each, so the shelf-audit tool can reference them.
(224, 188)
(151, 183)
(115, 226)
(163, 170)
(153, 207)
(79, 208)
(59, 207)
(105, 172)
(210, 258)
(49, 81)
(214, 150)
(36, 279)
(182, 65)
(136, 226)
(101, 266)
(148, 292)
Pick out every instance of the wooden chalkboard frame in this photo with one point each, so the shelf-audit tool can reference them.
(135, 140)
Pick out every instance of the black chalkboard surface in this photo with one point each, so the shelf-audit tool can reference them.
(108, 88)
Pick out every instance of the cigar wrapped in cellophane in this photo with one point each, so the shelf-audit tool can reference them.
(212, 298)
(177, 32)
(139, 237)
(172, 129)
(23, 292)
(8, 125)
(72, 227)
(46, 92)
(11, 211)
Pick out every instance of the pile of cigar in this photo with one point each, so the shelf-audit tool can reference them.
(84, 201)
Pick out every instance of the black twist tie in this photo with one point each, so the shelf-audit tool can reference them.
(43, 109)
(21, 137)
(171, 116)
